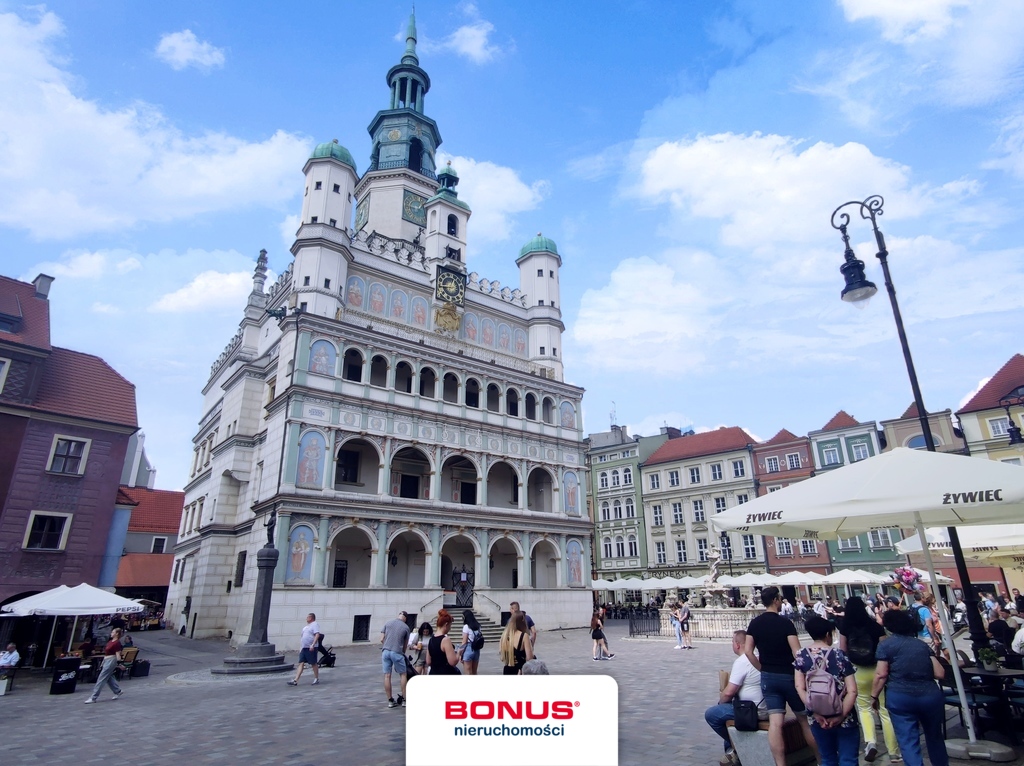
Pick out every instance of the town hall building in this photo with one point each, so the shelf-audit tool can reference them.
(397, 424)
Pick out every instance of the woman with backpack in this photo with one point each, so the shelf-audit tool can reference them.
(825, 682)
(859, 638)
(470, 635)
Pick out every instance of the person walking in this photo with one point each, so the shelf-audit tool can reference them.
(775, 639)
(514, 607)
(470, 631)
(837, 735)
(111, 656)
(311, 635)
(859, 638)
(515, 647)
(684, 624)
(600, 641)
(907, 670)
(418, 643)
(441, 655)
(393, 637)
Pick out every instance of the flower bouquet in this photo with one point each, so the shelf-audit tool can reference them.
(907, 580)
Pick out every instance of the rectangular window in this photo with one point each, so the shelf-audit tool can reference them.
(540, 302)
(314, 219)
(673, 478)
(542, 350)
(660, 551)
(680, 551)
(655, 481)
(677, 513)
(695, 475)
(879, 538)
(702, 549)
(554, 351)
(749, 548)
(716, 472)
(240, 569)
(348, 467)
(771, 464)
(999, 426)
(775, 488)
(719, 504)
(849, 544)
(831, 455)
(540, 272)
(607, 547)
(741, 499)
(739, 469)
(333, 222)
(551, 273)
(656, 510)
(159, 544)
(47, 531)
(809, 547)
(68, 456)
(783, 546)
(860, 452)
(793, 460)
(318, 185)
(698, 510)
(337, 189)
(327, 282)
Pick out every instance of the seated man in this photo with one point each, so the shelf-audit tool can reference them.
(745, 682)
(87, 647)
(9, 659)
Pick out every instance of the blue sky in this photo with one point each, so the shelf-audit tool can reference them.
(685, 157)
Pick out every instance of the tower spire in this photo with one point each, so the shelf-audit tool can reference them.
(410, 40)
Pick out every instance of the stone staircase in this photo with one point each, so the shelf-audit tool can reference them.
(492, 631)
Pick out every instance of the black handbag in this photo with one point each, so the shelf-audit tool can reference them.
(744, 715)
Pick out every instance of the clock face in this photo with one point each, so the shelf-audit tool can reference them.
(362, 212)
(412, 209)
(394, 134)
(451, 287)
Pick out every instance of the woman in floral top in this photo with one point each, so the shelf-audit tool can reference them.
(838, 736)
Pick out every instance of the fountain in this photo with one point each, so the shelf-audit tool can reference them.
(713, 593)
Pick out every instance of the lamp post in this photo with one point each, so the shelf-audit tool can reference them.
(858, 288)
(727, 549)
(1012, 429)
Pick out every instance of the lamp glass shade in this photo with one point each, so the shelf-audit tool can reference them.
(858, 288)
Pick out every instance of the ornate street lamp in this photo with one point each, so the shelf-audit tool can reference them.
(1012, 428)
(858, 288)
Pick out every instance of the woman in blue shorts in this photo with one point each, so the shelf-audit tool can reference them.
(470, 630)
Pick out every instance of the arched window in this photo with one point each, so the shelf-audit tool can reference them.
(451, 388)
(607, 547)
(632, 545)
(630, 510)
(403, 377)
(512, 403)
(615, 477)
(627, 476)
(548, 410)
(428, 383)
(617, 505)
(531, 407)
(353, 365)
(604, 480)
(472, 393)
(378, 371)
(605, 513)
(620, 546)
(493, 398)
(453, 225)
(415, 155)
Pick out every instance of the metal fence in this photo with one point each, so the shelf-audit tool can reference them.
(704, 623)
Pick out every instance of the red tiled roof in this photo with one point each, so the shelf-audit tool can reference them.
(18, 299)
(911, 412)
(123, 499)
(1009, 377)
(782, 437)
(157, 510)
(84, 386)
(709, 443)
(840, 420)
(144, 570)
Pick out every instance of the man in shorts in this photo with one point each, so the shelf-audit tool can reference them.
(775, 639)
(393, 638)
(514, 607)
(745, 683)
(307, 654)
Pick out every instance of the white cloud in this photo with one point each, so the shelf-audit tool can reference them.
(76, 266)
(471, 40)
(289, 227)
(210, 291)
(652, 424)
(105, 308)
(495, 193)
(128, 264)
(183, 49)
(971, 394)
(129, 165)
(906, 21)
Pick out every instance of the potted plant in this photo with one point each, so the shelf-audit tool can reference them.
(988, 658)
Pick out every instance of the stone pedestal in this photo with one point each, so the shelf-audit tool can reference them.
(257, 655)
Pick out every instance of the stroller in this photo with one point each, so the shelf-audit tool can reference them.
(329, 657)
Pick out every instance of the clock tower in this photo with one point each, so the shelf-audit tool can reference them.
(402, 177)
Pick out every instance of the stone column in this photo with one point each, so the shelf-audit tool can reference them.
(435, 557)
(563, 575)
(525, 575)
(483, 572)
(379, 579)
(284, 523)
(320, 562)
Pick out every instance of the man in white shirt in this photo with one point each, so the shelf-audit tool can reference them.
(311, 635)
(1017, 645)
(744, 682)
(10, 658)
(819, 608)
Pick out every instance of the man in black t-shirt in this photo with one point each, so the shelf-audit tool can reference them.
(775, 639)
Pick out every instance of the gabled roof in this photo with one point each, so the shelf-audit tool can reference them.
(30, 314)
(1009, 377)
(144, 570)
(840, 420)
(709, 443)
(157, 510)
(782, 437)
(84, 386)
(911, 412)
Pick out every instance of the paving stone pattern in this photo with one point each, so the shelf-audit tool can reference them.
(181, 714)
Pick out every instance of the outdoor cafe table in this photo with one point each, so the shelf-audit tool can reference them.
(994, 683)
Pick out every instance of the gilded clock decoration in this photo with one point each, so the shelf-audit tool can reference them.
(450, 287)
(394, 134)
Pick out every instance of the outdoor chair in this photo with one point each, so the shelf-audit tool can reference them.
(7, 679)
(975, 701)
(124, 667)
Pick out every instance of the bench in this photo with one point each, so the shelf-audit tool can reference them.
(753, 750)
(7, 680)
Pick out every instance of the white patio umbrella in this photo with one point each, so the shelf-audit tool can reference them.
(852, 577)
(927, 578)
(983, 542)
(799, 578)
(657, 583)
(626, 583)
(692, 582)
(748, 580)
(600, 584)
(872, 578)
(901, 488)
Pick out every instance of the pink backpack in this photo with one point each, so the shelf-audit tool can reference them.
(824, 696)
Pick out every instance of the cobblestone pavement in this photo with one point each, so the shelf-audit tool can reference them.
(193, 717)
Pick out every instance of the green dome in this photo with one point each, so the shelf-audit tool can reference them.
(448, 170)
(334, 151)
(539, 244)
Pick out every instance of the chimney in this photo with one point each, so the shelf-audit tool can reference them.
(42, 283)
